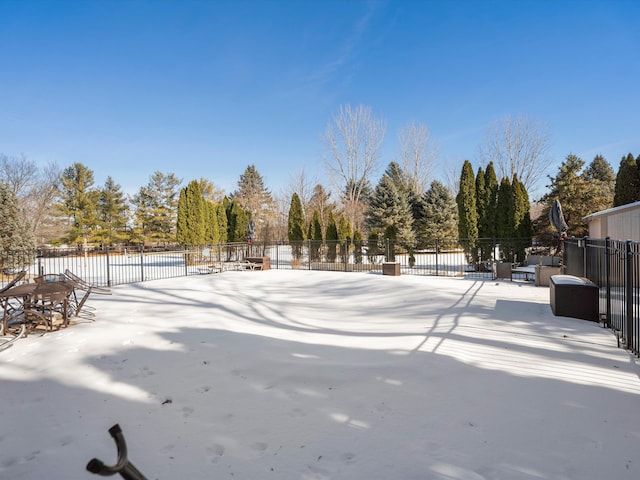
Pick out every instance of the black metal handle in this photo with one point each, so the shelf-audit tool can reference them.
(123, 466)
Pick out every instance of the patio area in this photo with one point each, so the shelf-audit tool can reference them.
(324, 375)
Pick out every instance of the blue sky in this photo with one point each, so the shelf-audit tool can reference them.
(205, 88)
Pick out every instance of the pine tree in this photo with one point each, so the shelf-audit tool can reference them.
(571, 189)
(157, 208)
(296, 226)
(601, 178)
(254, 197)
(78, 202)
(440, 213)
(627, 188)
(112, 213)
(389, 211)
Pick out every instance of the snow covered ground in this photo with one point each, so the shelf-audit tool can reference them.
(322, 375)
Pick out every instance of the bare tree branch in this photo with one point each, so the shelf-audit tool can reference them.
(418, 153)
(518, 146)
(352, 143)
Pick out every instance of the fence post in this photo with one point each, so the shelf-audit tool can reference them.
(628, 294)
(437, 252)
(142, 263)
(607, 273)
(186, 258)
(309, 253)
(584, 256)
(108, 269)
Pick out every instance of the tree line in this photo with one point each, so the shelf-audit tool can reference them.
(53, 206)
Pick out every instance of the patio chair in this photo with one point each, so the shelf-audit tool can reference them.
(80, 285)
(14, 281)
(12, 328)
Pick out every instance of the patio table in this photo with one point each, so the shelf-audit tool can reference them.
(37, 296)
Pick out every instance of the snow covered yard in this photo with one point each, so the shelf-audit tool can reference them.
(324, 375)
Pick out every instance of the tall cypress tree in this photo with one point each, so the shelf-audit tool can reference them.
(466, 200)
(627, 189)
(523, 226)
(190, 225)
(315, 236)
(491, 192)
(296, 226)
(223, 226)
(468, 213)
(212, 234)
(331, 237)
(481, 201)
(505, 220)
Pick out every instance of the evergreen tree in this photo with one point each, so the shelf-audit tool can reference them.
(17, 243)
(237, 222)
(254, 197)
(522, 222)
(481, 201)
(191, 226)
(331, 238)
(468, 213)
(488, 222)
(466, 201)
(439, 219)
(315, 236)
(296, 228)
(157, 208)
(389, 211)
(345, 235)
(223, 226)
(357, 247)
(112, 213)
(601, 178)
(212, 233)
(506, 220)
(627, 188)
(571, 189)
(78, 202)
(505, 211)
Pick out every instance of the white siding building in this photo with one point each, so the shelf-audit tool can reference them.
(619, 223)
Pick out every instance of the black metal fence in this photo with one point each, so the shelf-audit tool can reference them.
(614, 266)
(109, 267)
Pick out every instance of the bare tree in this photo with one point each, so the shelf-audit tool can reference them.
(451, 175)
(352, 141)
(35, 188)
(302, 185)
(518, 146)
(418, 153)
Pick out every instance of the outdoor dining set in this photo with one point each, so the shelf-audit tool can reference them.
(43, 304)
